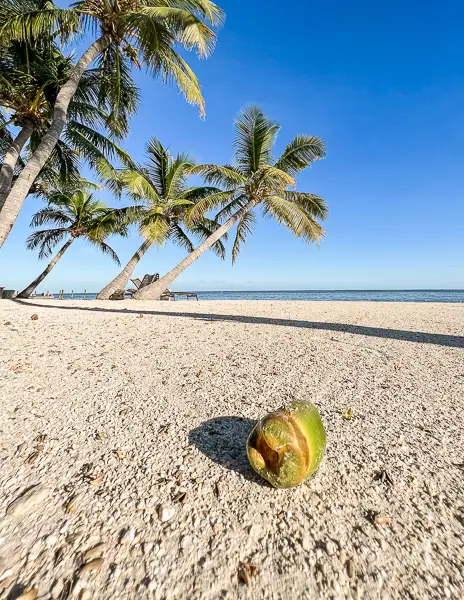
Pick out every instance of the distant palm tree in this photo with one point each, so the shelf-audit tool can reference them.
(131, 32)
(255, 179)
(159, 187)
(76, 214)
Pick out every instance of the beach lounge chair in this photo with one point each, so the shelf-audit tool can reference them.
(147, 280)
(139, 284)
(168, 295)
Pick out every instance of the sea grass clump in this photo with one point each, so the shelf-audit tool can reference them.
(287, 446)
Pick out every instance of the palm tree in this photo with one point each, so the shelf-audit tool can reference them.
(132, 32)
(31, 75)
(76, 213)
(159, 187)
(255, 179)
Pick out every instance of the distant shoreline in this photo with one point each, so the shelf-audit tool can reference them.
(445, 296)
(319, 291)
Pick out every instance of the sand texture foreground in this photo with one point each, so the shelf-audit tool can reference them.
(133, 430)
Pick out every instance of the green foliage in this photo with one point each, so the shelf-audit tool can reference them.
(31, 75)
(76, 213)
(6, 139)
(244, 228)
(141, 33)
(256, 176)
(300, 153)
(163, 199)
(117, 92)
(254, 138)
(29, 20)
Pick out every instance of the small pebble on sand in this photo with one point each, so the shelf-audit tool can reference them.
(166, 512)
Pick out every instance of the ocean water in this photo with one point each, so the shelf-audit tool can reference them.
(341, 295)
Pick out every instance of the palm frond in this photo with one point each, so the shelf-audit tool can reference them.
(178, 236)
(207, 203)
(158, 165)
(63, 161)
(206, 227)
(117, 91)
(177, 175)
(155, 226)
(196, 193)
(89, 90)
(22, 20)
(129, 215)
(188, 29)
(102, 221)
(50, 215)
(226, 175)
(236, 204)
(85, 184)
(311, 203)
(244, 228)
(205, 8)
(138, 186)
(80, 214)
(45, 240)
(105, 249)
(295, 218)
(109, 176)
(6, 139)
(173, 68)
(93, 145)
(271, 177)
(300, 153)
(254, 138)
(173, 206)
(87, 113)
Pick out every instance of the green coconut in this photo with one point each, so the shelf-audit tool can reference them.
(287, 446)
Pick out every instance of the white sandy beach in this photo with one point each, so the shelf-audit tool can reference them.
(148, 416)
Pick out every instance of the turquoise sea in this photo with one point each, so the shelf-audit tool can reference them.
(339, 295)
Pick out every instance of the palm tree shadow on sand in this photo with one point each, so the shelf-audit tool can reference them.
(223, 439)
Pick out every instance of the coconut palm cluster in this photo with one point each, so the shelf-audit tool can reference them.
(62, 107)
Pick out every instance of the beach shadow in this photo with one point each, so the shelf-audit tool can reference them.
(16, 591)
(439, 339)
(223, 439)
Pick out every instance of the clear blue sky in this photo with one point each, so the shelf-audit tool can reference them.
(382, 83)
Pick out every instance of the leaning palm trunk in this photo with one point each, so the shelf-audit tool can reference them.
(32, 286)
(20, 190)
(154, 290)
(120, 281)
(10, 160)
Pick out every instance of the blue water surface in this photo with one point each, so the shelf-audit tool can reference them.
(341, 295)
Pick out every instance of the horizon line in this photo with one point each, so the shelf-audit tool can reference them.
(319, 290)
